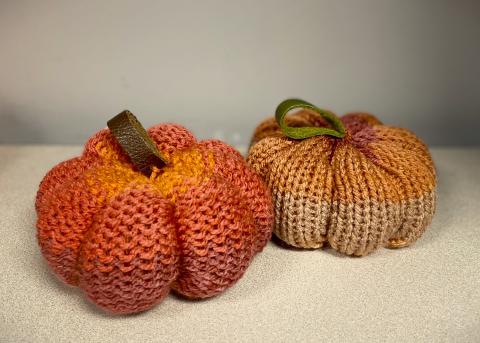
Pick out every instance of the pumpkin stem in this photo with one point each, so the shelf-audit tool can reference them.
(136, 142)
(307, 131)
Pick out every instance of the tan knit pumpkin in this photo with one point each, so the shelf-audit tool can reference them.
(352, 181)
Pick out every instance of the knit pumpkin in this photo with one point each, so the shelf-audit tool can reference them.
(126, 238)
(352, 181)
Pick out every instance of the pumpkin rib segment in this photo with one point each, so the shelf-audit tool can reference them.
(249, 184)
(63, 173)
(401, 142)
(397, 161)
(262, 154)
(418, 214)
(312, 228)
(363, 209)
(408, 140)
(218, 145)
(290, 189)
(316, 181)
(62, 224)
(64, 220)
(170, 138)
(215, 233)
(281, 169)
(130, 257)
(417, 183)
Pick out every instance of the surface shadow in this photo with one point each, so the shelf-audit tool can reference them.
(326, 248)
(281, 244)
(41, 270)
(48, 279)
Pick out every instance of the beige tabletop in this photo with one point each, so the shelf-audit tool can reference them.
(429, 292)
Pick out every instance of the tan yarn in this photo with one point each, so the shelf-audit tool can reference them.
(374, 187)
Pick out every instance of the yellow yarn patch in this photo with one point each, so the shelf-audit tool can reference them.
(106, 151)
(186, 168)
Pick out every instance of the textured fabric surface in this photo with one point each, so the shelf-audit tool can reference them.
(375, 187)
(430, 292)
(126, 239)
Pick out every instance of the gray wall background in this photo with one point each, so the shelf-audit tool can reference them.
(219, 67)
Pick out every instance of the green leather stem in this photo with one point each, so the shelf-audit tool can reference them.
(136, 142)
(307, 131)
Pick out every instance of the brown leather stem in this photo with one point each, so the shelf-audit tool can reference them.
(136, 142)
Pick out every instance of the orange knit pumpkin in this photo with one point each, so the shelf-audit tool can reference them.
(127, 238)
(351, 181)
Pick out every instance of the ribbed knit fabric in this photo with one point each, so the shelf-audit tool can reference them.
(126, 239)
(375, 187)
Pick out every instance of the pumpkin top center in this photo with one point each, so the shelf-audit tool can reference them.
(337, 130)
(136, 142)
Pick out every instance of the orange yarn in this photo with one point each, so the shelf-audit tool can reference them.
(126, 239)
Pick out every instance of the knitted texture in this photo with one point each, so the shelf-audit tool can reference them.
(375, 187)
(126, 239)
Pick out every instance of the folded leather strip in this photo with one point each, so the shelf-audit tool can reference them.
(134, 139)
